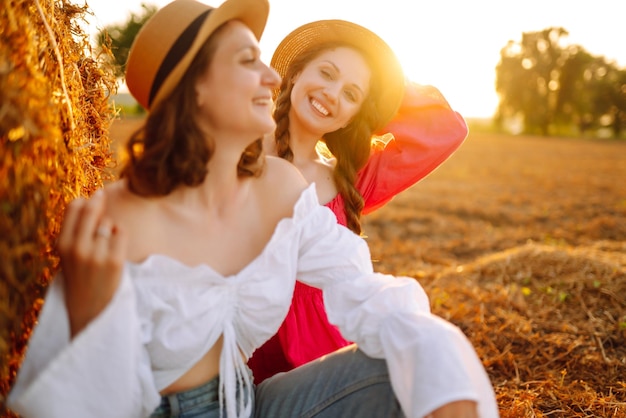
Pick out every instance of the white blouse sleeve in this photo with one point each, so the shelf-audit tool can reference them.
(430, 361)
(102, 372)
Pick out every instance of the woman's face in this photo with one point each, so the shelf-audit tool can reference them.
(234, 94)
(329, 90)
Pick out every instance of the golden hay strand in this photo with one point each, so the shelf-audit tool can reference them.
(54, 120)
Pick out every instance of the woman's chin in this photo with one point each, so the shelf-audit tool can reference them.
(268, 127)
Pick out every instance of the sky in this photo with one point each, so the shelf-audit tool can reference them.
(453, 45)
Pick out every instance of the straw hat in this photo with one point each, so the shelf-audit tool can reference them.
(386, 65)
(168, 42)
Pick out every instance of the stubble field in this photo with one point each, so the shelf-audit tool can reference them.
(521, 242)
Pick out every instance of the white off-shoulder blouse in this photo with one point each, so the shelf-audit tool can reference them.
(166, 315)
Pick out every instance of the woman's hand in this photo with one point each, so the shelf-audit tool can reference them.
(93, 251)
(458, 409)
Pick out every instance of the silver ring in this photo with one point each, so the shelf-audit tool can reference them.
(103, 232)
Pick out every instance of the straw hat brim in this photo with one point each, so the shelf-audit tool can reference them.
(161, 37)
(387, 67)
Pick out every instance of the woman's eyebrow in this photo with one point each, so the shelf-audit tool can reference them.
(339, 71)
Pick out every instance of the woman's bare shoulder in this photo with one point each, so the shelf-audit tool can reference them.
(121, 204)
(281, 171)
(282, 182)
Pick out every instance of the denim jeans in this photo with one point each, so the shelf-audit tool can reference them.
(200, 402)
(344, 384)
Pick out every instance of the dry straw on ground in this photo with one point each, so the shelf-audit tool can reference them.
(54, 146)
(521, 241)
(549, 326)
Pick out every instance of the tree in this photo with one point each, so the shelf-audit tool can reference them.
(527, 79)
(547, 85)
(574, 101)
(119, 37)
(609, 96)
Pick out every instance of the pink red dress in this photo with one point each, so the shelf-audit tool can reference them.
(426, 131)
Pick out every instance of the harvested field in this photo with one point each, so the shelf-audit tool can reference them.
(521, 241)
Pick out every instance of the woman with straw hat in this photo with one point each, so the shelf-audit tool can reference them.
(173, 276)
(342, 84)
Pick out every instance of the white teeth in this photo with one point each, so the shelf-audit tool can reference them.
(319, 107)
(262, 101)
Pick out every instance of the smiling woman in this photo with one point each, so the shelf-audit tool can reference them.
(343, 88)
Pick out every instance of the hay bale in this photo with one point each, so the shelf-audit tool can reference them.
(54, 145)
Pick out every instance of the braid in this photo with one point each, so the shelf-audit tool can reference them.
(281, 116)
(351, 147)
(344, 176)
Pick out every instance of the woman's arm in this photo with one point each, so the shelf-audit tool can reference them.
(86, 357)
(431, 362)
(422, 135)
(104, 371)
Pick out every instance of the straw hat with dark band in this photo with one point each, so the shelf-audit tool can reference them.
(168, 42)
(382, 57)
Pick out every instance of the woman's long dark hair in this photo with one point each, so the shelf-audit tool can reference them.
(170, 149)
(351, 145)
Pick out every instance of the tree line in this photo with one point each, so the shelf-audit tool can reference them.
(549, 87)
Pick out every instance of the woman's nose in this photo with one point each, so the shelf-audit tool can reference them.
(271, 77)
(331, 92)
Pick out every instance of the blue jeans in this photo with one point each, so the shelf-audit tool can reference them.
(344, 384)
(200, 402)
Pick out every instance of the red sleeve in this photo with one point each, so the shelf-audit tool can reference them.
(425, 132)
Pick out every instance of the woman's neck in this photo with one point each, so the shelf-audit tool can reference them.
(222, 185)
(303, 145)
